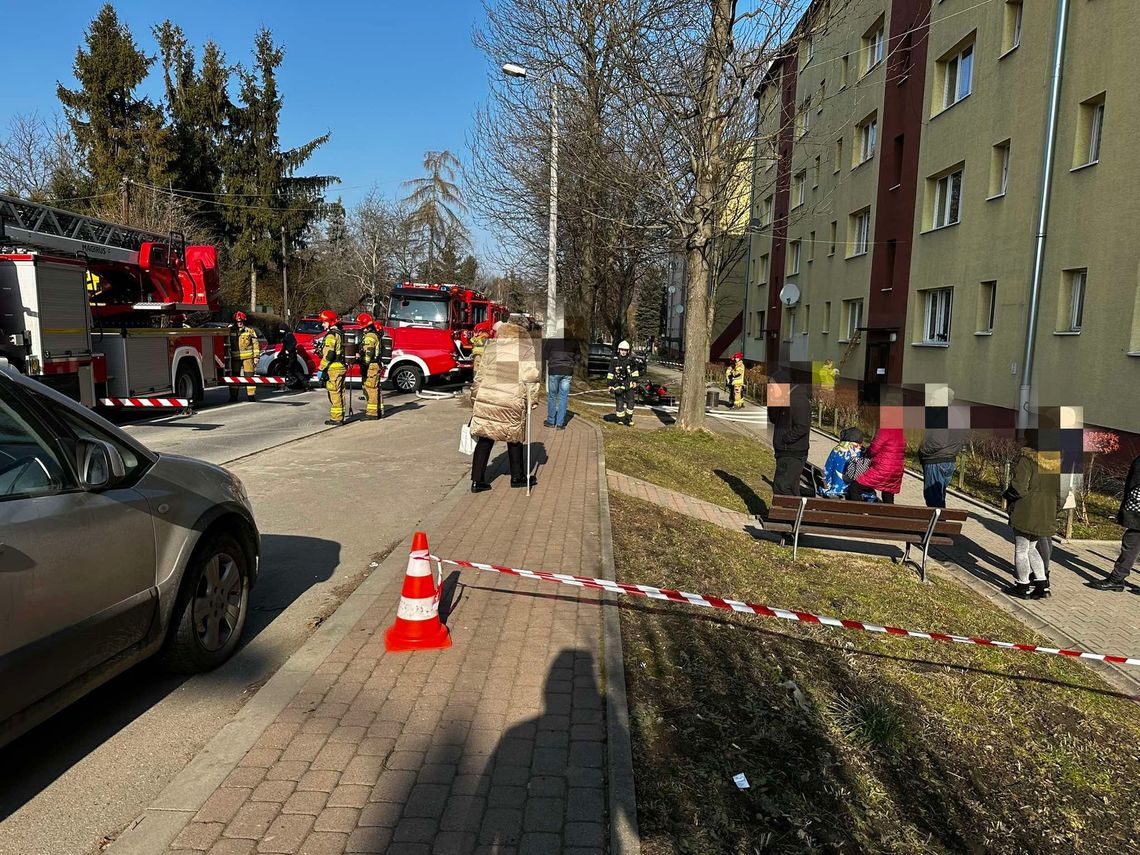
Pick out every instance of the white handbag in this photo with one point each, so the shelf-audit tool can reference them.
(466, 440)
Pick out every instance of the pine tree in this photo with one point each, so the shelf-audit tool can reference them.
(262, 176)
(468, 271)
(120, 136)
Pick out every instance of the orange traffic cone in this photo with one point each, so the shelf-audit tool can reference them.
(417, 625)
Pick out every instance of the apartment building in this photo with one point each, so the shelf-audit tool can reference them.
(897, 185)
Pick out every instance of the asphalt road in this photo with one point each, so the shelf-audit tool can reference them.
(330, 503)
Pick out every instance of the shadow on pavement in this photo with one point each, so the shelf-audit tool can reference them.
(290, 565)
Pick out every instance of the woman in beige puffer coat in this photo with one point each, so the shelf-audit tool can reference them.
(508, 369)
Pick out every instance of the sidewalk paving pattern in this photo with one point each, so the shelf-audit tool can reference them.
(497, 744)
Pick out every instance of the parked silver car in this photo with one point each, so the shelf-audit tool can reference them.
(109, 553)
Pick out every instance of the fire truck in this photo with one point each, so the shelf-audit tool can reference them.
(99, 311)
(429, 327)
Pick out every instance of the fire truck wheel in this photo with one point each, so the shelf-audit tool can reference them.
(186, 384)
(211, 608)
(407, 378)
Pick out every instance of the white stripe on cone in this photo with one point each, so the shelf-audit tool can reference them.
(423, 608)
(418, 564)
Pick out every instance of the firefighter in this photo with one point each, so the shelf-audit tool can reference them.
(478, 342)
(622, 378)
(370, 366)
(332, 369)
(247, 348)
(734, 381)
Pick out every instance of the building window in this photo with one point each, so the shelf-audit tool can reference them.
(874, 43)
(1072, 304)
(936, 329)
(803, 119)
(766, 212)
(957, 74)
(789, 324)
(815, 173)
(826, 318)
(1090, 132)
(838, 154)
(811, 247)
(763, 278)
(807, 320)
(809, 49)
(860, 228)
(866, 138)
(852, 318)
(1011, 28)
(834, 235)
(987, 307)
(999, 170)
(844, 70)
(822, 96)
(759, 325)
(793, 258)
(799, 189)
(947, 199)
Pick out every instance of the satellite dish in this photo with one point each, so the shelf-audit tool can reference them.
(680, 309)
(790, 294)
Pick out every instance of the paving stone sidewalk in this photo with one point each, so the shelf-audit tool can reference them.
(498, 744)
(682, 503)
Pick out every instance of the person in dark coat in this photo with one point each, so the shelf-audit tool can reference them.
(1129, 517)
(1032, 497)
(789, 413)
(938, 454)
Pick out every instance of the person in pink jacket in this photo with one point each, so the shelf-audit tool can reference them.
(888, 457)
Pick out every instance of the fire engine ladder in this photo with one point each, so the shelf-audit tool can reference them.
(30, 224)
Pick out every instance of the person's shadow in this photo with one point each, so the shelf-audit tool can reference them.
(546, 779)
(757, 507)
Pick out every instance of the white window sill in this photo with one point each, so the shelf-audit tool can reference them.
(1133, 353)
(856, 255)
(984, 332)
(996, 196)
(828, 332)
(1066, 332)
(1008, 52)
(896, 187)
(862, 163)
(934, 229)
(950, 107)
(1085, 165)
(930, 344)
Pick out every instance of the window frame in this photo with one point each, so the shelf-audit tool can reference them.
(938, 310)
(853, 318)
(1078, 286)
(999, 170)
(799, 188)
(1012, 27)
(874, 46)
(987, 312)
(957, 61)
(867, 133)
(795, 252)
(861, 231)
(948, 200)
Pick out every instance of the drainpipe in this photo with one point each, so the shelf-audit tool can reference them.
(1025, 396)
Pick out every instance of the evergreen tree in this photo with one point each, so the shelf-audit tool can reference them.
(263, 176)
(436, 203)
(468, 271)
(120, 136)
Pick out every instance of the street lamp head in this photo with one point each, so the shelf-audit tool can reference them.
(512, 70)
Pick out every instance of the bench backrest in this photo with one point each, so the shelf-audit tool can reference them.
(866, 516)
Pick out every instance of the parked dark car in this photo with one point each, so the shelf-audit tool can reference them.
(598, 362)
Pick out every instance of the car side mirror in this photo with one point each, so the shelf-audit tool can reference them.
(100, 464)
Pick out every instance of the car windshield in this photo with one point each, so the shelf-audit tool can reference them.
(406, 311)
(309, 327)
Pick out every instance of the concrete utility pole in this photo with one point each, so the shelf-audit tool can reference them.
(284, 273)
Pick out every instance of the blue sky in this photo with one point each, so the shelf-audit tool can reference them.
(389, 79)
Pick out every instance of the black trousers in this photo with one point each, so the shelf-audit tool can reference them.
(482, 456)
(1129, 552)
(789, 468)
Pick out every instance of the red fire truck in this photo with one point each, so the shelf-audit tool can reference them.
(430, 327)
(99, 311)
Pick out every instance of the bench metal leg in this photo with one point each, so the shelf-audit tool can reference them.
(926, 540)
(796, 530)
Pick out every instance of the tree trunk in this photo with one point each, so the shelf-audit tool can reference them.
(692, 405)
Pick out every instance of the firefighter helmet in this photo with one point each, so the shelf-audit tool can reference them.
(239, 316)
(623, 345)
(365, 319)
(328, 316)
(738, 355)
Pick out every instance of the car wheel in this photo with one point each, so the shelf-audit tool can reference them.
(211, 608)
(407, 378)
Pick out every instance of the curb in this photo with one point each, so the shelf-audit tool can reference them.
(624, 836)
(181, 799)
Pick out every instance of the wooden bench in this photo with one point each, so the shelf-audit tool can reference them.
(912, 525)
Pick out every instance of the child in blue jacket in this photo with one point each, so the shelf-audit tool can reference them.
(850, 447)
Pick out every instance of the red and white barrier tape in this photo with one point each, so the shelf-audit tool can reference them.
(772, 612)
(255, 381)
(158, 403)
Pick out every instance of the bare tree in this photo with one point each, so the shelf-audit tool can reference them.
(33, 153)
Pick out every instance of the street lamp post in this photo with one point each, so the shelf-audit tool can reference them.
(512, 70)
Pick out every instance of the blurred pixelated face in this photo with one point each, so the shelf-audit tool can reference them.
(891, 417)
(779, 394)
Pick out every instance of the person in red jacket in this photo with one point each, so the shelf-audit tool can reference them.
(888, 458)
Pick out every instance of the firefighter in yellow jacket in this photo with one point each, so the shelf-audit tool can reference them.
(247, 348)
(478, 343)
(332, 369)
(371, 366)
(734, 380)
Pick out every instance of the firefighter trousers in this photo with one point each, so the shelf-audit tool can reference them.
(737, 396)
(375, 406)
(249, 369)
(623, 403)
(335, 388)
